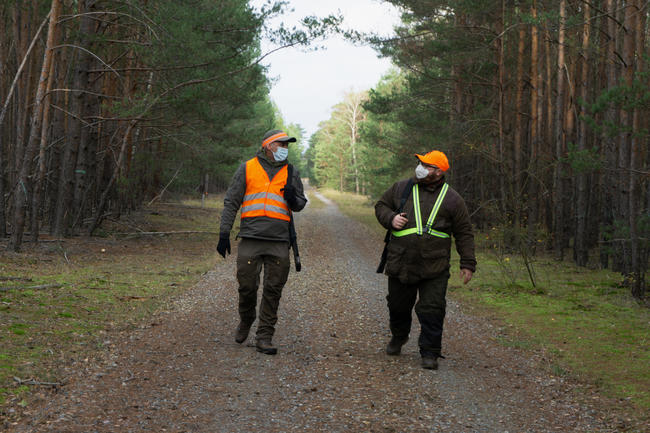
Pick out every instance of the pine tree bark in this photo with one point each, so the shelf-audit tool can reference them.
(66, 185)
(534, 124)
(610, 118)
(637, 26)
(625, 139)
(558, 191)
(549, 151)
(20, 200)
(581, 247)
(518, 130)
(499, 154)
(22, 62)
(37, 189)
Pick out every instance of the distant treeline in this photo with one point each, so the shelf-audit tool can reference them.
(543, 108)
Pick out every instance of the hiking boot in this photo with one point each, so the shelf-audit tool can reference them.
(242, 332)
(266, 347)
(430, 363)
(395, 344)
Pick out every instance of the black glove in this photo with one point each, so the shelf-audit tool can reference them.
(290, 195)
(223, 246)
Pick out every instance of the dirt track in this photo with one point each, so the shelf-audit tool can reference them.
(183, 372)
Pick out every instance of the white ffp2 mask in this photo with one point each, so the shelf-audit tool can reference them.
(421, 172)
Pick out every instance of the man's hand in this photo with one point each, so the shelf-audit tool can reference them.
(466, 275)
(223, 246)
(399, 221)
(289, 194)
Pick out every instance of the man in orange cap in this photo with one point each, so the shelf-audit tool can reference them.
(268, 190)
(422, 214)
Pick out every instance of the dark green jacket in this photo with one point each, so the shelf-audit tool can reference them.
(264, 228)
(412, 258)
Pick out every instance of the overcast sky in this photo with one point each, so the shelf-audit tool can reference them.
(308, 84)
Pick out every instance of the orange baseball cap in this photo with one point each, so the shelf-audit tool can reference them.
(435, 157)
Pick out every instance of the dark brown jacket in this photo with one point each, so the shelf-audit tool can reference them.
(412, 258)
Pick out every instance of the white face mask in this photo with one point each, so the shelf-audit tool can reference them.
(421, 172)
(281, 153)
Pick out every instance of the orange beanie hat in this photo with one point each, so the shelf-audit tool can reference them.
(435, 157)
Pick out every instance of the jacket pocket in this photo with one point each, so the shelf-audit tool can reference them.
(394, 258)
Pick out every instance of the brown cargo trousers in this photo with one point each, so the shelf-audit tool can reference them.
(252, 256)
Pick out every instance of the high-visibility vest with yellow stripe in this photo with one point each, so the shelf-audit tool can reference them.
(264, 197)
(419, 229)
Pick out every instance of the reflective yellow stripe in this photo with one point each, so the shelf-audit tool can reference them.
(418, 212)
(418, 215)
(438, 234)
(400, 233)
(434, 212)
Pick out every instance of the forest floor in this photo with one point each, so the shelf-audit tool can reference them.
(181, 370)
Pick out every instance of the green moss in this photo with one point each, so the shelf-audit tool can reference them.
(18, 328)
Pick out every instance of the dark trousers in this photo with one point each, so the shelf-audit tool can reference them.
(430, 310)
(253, 256)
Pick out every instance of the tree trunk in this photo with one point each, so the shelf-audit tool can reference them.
(354, 115)
(116, 172)
(611, 191)
(65, 190)
(518, 130)
(549, 151)
(83, 105)
(534, 119)
(3, 113)
(45, 128)
(636, 27)
(35, 132)
(500, 150)
(625, 139)
(558, 191)
(581, 248)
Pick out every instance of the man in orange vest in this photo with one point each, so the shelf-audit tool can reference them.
(267, 189)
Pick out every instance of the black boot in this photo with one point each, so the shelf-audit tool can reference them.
(265, 346)
(430, 362)
(395, 344)
(242, 332)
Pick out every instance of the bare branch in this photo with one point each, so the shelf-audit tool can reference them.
(91, 53)
(20, 70)
(83, 91)
(71, 17)
(166, 186)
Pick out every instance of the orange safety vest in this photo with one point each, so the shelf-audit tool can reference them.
(263, 197)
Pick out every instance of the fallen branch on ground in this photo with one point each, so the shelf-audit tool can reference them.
(15, 279)
(188, 232)
(41, 287)
(36, 383)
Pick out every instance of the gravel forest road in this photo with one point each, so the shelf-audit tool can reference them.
(183, 372)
